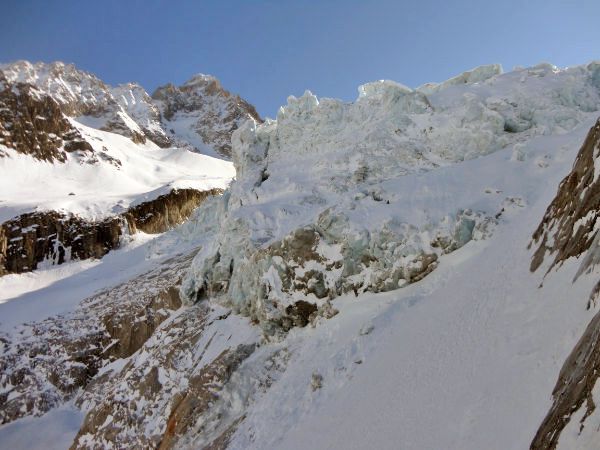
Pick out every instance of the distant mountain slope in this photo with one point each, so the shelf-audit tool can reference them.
(209, 113)
(76, 150)
(202, 113)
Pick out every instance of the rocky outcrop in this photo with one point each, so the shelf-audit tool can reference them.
(53, 237)
(569, 226)
(78, 93)
(201, 393)
(32, 123)
(138, 105)
(573, 389)
(46, 363)
(569, 229)
(168, 390)
(214, 112)
(166, 211)
(33, 238)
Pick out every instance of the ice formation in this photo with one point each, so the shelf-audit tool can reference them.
(319, 206)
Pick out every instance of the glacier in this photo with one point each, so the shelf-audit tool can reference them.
(345, 180)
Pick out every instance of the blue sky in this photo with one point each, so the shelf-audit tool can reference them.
(267, 50)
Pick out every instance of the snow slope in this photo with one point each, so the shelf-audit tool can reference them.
(117, 175)
(464, 359)
(375, 183)
(381, 247)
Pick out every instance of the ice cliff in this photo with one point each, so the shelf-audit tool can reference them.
(321, 206)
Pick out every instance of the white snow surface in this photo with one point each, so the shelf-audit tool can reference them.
(52, 431)
(117, 175)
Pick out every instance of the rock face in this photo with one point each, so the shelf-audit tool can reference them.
(199, 114)
(50, 236)
(570, 222)
(166, 211)
(32, 123)
(62, 354)
(569, 229)
(573, 389)
(173, 411)
(33, 238)
(201, 106)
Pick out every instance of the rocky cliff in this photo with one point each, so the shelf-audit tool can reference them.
(569, 229)
(53, 238)
(202, 107)
(32, 123)
(200, 113)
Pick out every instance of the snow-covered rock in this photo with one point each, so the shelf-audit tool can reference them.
(202, 113)
(81, 94)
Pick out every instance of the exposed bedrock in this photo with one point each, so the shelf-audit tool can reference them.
(569, 229)
(32, 123)
(54, 358)
(52, 237)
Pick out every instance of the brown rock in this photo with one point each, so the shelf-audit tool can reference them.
(219, 113)
(578, 198)
(32, 238)
(166, 211)
(32, 123)
(576, 380)
(52, 360)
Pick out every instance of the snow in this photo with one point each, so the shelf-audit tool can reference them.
(465, 358)
(183, 126)
(102, 187)
(451, 361)
(53, 431)
(380, 178)
(65, 83)
(56, 290)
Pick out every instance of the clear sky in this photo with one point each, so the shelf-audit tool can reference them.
(267, 50)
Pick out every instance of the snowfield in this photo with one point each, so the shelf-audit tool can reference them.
(364, 282)
(119, 174)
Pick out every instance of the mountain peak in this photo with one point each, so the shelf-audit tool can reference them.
(127, 109)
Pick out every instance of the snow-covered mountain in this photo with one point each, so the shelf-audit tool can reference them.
(83, 96)
(395, 272)
(202, 113)
(76, 150)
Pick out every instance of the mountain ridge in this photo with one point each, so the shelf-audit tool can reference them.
(127, 108)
